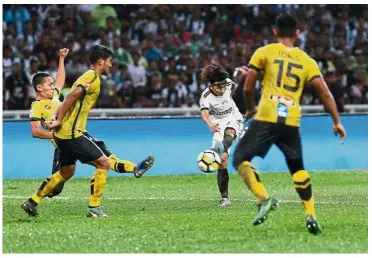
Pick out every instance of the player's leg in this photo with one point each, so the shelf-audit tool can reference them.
(290, 144)
(223, 174)
(66, 171)
(58, 189)
(97, 187)
(217, 139)
(223, 181)
(88, 152)
(120, 165)
(256, 141)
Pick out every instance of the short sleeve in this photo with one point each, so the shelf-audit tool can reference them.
(230, 85)
(204, 103)
(55, 93)
(314, 71)
(35, 112)
(258, 59)
(87, 81)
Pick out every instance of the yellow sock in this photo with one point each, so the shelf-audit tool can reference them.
(252, 180)
(47, 186)
(302, 182)
(121, 166)
(97, 186)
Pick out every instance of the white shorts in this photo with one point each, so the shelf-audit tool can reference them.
(223, 124)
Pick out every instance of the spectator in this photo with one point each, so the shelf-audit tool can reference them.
(176, 41)
(155, 92)
(359, 90)
(7, 61)
(107, 97)
(137, 72)
(360, 66)
(152, 52)
(17, 15)
(34, 69)
(101, 12)
(17, 85)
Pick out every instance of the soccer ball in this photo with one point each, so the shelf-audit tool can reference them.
(208, 161)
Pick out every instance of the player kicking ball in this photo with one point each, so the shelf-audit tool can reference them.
(71, 137)
(220, 113)
(277, 119)
(44, 108)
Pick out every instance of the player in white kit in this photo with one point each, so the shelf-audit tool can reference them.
(220, 113)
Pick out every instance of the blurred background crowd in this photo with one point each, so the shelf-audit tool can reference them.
(160, 50)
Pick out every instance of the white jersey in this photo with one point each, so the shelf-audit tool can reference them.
(220, 107)
(222, 111)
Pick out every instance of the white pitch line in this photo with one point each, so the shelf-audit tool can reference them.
(163, 198)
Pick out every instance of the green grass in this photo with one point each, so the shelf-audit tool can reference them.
(178, 214)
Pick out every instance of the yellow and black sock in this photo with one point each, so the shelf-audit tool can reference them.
(302, 182)
(97, 186)
(252, 180)
(48, 185)
(121, 166)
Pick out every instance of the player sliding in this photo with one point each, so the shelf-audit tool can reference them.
(286, 69)
(219, 112)
(70, 135)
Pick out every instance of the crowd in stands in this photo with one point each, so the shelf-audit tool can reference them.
(160, 50)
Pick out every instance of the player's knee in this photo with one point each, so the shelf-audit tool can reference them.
(227, 141)
(67, 172)
(230, 131)
(103, 163)
(295, 165)
(238, 159)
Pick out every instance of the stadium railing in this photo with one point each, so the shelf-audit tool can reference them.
(170, 112)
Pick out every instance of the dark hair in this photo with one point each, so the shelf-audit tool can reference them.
(286, 24)
(39, 79)
(98, 51)
(214, 73)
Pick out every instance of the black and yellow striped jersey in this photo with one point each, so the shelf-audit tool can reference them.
(75, 120)
(286, 70)
(44, 110)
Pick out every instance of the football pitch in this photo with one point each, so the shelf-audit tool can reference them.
(179, 214)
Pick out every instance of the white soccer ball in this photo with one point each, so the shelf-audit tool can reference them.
(208, 161)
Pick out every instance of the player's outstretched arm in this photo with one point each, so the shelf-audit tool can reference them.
(70, 100)
(37, 132)
(250, 81)
(61, 74)
(321, 87)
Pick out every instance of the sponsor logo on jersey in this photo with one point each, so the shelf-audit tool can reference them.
(283, 100)
(47, 107)
(227, 111)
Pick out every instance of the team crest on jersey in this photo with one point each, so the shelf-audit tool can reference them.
(47, 107)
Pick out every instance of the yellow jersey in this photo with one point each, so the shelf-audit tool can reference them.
(43, 110)
(286, 70)
(74, 123)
